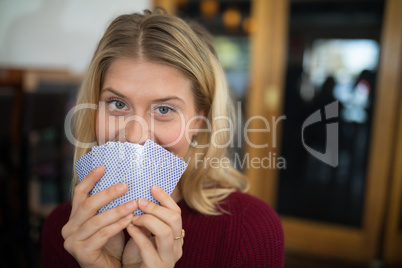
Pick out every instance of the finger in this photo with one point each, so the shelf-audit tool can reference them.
(148, 252)
(164, 237)
(81, 191)
(165, 199)
(91, 205)
(98, 240)
(103, 235)
(106, 218)
(168, 216)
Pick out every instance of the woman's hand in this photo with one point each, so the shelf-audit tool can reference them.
(86, 233)
(152, 242)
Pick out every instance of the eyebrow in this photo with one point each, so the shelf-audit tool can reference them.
(154, 101)
(167, 99)
(114, 92)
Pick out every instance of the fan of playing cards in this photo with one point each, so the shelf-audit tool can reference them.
(140, 166)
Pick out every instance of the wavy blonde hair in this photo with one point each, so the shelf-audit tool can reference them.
(166, 39)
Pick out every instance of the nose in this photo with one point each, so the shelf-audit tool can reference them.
(136, 130)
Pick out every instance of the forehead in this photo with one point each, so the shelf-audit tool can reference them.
(130, 76)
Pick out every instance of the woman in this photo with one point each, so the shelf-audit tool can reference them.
(156, 69)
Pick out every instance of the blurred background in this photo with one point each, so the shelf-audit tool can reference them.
(285, 60)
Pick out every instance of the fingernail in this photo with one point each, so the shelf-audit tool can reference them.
(121, 186)
(144, 202)
(130, 204)
(97, 169)
(156, 188)
(135, 218)
(129, 216)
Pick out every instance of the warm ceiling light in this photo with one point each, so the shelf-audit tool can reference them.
(231, 17)
(249, 25)
(209, 8)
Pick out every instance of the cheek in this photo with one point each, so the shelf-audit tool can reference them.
(169, 134)
(173, 137)
(107, 128)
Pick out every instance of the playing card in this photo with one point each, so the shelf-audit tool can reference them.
(97, 160)
(162, 166)
(109, 157)
(129, 173)
(140, 167)
(84, 165)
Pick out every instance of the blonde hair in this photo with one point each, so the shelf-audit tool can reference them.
(165, 39)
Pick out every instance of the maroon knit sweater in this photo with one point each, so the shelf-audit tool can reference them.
(250, 235)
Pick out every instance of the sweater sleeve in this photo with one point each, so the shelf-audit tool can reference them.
(53, 252)
(262, 239)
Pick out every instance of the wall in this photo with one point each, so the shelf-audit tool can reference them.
(56, 34)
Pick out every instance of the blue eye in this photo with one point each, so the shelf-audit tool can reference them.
(163, 110)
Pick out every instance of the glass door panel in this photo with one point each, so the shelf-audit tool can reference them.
(332, 64)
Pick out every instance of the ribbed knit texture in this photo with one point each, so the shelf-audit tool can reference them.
(250, 235)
